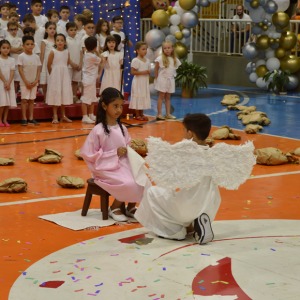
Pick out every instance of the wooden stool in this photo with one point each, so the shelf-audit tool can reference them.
(94, 189)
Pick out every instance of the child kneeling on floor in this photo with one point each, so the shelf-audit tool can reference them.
(196, 170)
(105, 154)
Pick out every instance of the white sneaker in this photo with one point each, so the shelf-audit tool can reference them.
(86, 119)
(119, 218)
(129, 213)
(92, 117)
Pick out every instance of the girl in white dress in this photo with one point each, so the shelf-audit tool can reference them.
(46, 47)
(140, 93)
(112, 62)
(7, 94)
(165, 73)
(60, 89)
(102, 32)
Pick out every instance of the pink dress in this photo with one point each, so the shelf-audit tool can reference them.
(111, 172)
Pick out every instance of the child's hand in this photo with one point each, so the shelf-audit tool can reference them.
(6, 86)
(34, 83)
(79, 67)
(123, 42)
(121, 151)
(149, 72)
(28, 84)
(75, 67)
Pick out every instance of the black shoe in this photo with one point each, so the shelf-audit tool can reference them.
(203, 232)
(162, 237)
(33, 122)
(24, 122)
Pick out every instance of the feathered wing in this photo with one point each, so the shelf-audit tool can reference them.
(184, 164)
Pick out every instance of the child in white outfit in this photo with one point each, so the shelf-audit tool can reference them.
(112, 62)
(165, 73)
(59, 92)
(140, 93)
(90, 72)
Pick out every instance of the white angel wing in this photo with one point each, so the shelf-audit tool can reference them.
(184, 164)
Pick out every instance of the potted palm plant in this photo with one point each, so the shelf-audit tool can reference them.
(190, 78)
(277, 81)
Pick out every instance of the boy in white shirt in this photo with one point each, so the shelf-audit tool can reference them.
(76, 57)
(64, 14)
(53, 16)
(79, 21)
(118, 25)
(29, 21)
(90, 71)
(15, 50)
(37, 7)
(30, 31)
(29, 68)
(89, 27)
(13, 16)
(4, 11)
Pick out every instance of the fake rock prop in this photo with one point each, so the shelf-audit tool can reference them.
(256, 117)
(77, 154)
(210, 141)
(70, 182)
(230, 100)
(49, 157)
(7, 161)
(241, 107)
(224, 133)
(296, 152)
(13, 185)
(139, 146)
(251, 128)
(270, 156)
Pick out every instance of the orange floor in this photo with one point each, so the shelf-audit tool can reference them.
(25, 239)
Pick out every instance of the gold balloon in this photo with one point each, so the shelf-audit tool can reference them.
(180, 49)
(263, 42)
(181, 26)
(254, 4)
(178, 35)
(287, 40)
(170, 8)
(279, 52)
(261, 71)
(265, 28)
(160, 18)
(151, 79)
(187, 4)
(173, 11)
(168, 13)
(260, 24)
(280, 20)
(271, 41)
(291, 63)
(276, 40)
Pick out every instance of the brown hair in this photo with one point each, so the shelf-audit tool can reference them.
(99, 25)
(13, 14)
(12, 23)
(5, 5)
(52, 12)
(138, 45)
(28, 18)
(88, 13)
(80, 18)
(109, 39)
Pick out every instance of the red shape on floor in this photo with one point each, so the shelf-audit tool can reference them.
(52, 284)
(220, 272)
(132, 238)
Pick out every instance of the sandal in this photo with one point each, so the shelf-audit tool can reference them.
(65, 119)
(139, 118)
(144, 118)
(55, 121)
(6, 124)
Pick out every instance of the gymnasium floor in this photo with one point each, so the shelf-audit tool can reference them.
(255, 252)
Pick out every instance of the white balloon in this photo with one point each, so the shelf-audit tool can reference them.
(180, 11)
(166, 30)
(157, 53)
(174, 29)
(273, 63)
(153, 91)
(150, 55)
(152, 67)
(257, 15)
(248, 69)
(183, 40)
(283, 5)
(176, 4)
(171, 38)
(270, 53)
(260, 82)
(260, 62)
(253, 77)
(188, 41)
(276, 35)
(175, 19)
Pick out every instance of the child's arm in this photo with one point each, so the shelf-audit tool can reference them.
(101, 67)
(4, 80)
(17, 50)
(135, 72)
(81, 60)
(156, 69)
(43, 46)
(27, 83)
(73, 65)
(37, 77)
(11, 78)
(50, 60)
(129, 43)
(83, 50)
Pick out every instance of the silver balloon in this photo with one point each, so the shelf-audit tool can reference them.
(253, 70)
(261, 54)
(197, 2)
(253, 64)
(253, 77)
(274, 46)
(152, 65)
(249, 0)
(265, 21)
(189, 19)
(256, 30)
(283, 5)
(204, 3)
(157, 53)
(271, 7)
(150, 55)
(171, 38)
(152, 89)
(166, 30)
(248, 69)
(257, 15)
(269, 17)
(260, 83)
(262, 2)
(187, 41)
(186, 32)
(154, 38)
(196, 9)
(279, 30)
(269, 24)
(250, 51)
(294, 81)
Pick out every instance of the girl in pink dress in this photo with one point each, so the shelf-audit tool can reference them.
(105, 154)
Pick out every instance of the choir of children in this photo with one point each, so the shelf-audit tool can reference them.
(61, 43)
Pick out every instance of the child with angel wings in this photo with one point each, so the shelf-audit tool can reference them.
(197, 171)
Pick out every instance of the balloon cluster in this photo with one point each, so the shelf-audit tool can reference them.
(272, 43)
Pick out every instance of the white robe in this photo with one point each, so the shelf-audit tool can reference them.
(167, 212)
